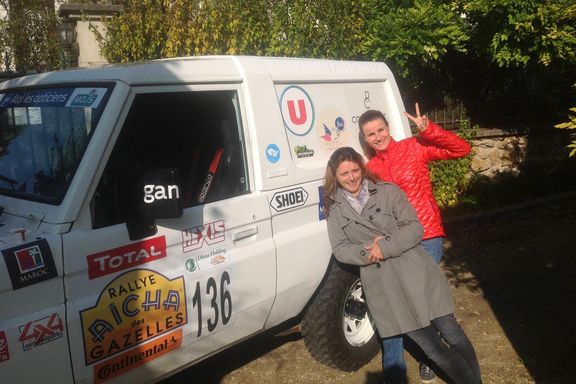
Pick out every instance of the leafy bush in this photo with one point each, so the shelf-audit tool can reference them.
(450, 178)
(570, 125)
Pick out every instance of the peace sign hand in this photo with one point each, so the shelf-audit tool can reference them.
(420, 121)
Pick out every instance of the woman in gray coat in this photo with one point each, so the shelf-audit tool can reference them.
(373, 226)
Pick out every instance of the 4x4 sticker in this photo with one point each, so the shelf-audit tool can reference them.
(4, 353)
(29, 263)
(135, 307)
(125, 257)
(291, 198)
(42, 331)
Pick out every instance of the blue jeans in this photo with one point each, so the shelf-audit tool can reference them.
(446, 344)
(434, 247)
(393, 361)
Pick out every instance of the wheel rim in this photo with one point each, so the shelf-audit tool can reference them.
(356, 321)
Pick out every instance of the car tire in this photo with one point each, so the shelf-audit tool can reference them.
(336, 327)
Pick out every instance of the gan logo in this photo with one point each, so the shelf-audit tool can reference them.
(137, 306)
(160, 192)
(195, 237)
(291, 198)
(297, 110)
(4, 353)
(38, 332)
(29, 263)
(121, 258)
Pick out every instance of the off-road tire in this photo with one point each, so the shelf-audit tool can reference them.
(323, 324)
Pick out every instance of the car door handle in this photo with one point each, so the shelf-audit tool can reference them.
(237, 236)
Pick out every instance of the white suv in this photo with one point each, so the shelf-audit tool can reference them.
(156, 213)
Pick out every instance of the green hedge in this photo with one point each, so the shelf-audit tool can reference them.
(450, 178)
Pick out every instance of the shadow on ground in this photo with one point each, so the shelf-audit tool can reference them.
(524, 262)
(214, 369)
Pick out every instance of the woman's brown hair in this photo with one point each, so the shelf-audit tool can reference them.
(366, 117)
(331, 184)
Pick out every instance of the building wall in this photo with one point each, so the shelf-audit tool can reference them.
(88, 48)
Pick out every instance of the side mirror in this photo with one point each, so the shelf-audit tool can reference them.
(150, 196)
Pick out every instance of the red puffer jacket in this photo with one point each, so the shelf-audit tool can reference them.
(405, 163)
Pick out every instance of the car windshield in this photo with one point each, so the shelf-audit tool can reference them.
(43, 135)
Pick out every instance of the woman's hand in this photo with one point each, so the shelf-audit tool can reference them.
(375, 251)
(420, 121)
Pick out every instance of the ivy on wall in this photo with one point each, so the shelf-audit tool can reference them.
(450, 178)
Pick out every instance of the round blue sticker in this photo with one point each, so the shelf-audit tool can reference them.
(339, 123)
(272, 153)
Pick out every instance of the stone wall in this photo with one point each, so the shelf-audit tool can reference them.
(495, 152)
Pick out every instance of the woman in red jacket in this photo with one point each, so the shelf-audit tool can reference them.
(405, 163)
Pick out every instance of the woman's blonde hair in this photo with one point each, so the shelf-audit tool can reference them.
(331, 183)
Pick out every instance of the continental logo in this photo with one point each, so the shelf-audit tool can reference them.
(137, 357)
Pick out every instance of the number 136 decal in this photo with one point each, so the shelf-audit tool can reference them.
(220, 302)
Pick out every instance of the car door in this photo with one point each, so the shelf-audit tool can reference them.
(189, 286)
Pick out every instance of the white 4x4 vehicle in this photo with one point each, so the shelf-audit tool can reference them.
(154, 214)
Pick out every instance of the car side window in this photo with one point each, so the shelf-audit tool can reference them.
(197, 133)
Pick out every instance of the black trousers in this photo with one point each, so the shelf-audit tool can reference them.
(448, 348)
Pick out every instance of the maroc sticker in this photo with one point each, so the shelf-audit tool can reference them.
(132, 309)
(272, 153)
(4, 353)
(30, 263)
(86, 97)
(291, 198)
(195, 237)
(207, 261)
(42, 331)
(137, 357)
(297, 110)
(125, 257)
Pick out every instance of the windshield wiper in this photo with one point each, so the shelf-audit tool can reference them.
(9, 181)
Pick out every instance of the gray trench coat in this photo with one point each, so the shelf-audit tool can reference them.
(406, 290)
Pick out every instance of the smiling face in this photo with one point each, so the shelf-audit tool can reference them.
(349, 176)
(376, 134)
